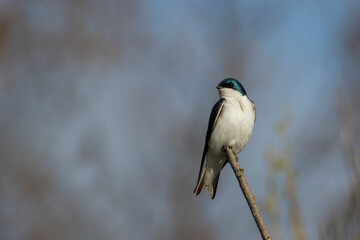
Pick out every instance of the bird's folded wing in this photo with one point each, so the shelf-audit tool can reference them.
(254, 109)
(214, 116)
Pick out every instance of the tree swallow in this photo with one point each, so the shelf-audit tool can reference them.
(231, 123)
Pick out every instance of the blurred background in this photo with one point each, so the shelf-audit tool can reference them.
(104, 107)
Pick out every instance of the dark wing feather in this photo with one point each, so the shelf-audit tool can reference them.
(215, 183)
(214, 116)
(216, 180)
(254, 108)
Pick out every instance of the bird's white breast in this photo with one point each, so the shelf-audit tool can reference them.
(234, 126)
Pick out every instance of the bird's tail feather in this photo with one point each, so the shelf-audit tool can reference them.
(214, 186)
(211, 187)
(201, 183)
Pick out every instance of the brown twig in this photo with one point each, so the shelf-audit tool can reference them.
(239, 172)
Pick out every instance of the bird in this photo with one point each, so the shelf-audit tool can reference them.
(231, 123)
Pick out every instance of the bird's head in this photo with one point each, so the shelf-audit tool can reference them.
(229, 85)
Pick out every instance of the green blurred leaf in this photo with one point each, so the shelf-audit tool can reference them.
(281, 128)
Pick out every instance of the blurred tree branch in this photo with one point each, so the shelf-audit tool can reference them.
(343, 221)
(291, 192)
(271, 202)
(239, 173)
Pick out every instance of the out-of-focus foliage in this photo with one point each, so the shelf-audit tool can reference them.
(281, 164)
(343, 222)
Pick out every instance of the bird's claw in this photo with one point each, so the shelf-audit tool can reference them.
(224, 148)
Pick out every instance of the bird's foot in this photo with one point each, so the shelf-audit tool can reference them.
(223, 149)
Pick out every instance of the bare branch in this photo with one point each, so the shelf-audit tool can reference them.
(239, 172)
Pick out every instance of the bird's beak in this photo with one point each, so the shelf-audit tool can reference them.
(219, 87)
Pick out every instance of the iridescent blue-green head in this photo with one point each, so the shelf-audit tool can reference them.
(232, 84)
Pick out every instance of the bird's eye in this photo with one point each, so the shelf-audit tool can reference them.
(229, 85)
